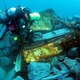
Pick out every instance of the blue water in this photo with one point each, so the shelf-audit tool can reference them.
(61, 7)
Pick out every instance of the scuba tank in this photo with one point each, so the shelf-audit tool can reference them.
(5, 16)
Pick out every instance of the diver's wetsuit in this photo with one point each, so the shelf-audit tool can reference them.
(19, 23)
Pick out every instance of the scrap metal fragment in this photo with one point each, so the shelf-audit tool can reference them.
(18, 64)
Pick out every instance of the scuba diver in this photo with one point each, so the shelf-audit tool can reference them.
(18, 20)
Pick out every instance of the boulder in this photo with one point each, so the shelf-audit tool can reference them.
(38, 70)
(18, 78)
(2, 73)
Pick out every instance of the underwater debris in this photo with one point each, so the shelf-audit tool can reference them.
(18, 63)
(2, 73)
(10, 75)
(73, 52)
(18, 78)
(46, 48)
(64, 43)
(41, 52)
(38, 70)
(45, 21)
(58, 76)
(17, 68)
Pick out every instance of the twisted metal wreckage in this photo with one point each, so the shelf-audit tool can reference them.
(51, 43)
(46, 44)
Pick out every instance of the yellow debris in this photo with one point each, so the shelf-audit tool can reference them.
(41, 52)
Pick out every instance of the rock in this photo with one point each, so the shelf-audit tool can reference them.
(7, 41)
(1, 53)
(68, 78)
(18, 78)
(76, 17)
(62, 72)
(54, 61)
(73, 52)
(8, 38)
(70, 62)
(54, 70)
(10, 75)
(78, 59)
(6, 51)
(5, 61)
(61, 58)
(38, 70)
(76, 68)
(61, 75)
(63, 67)
(2, 73)
(0, 26)
(2, 45)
